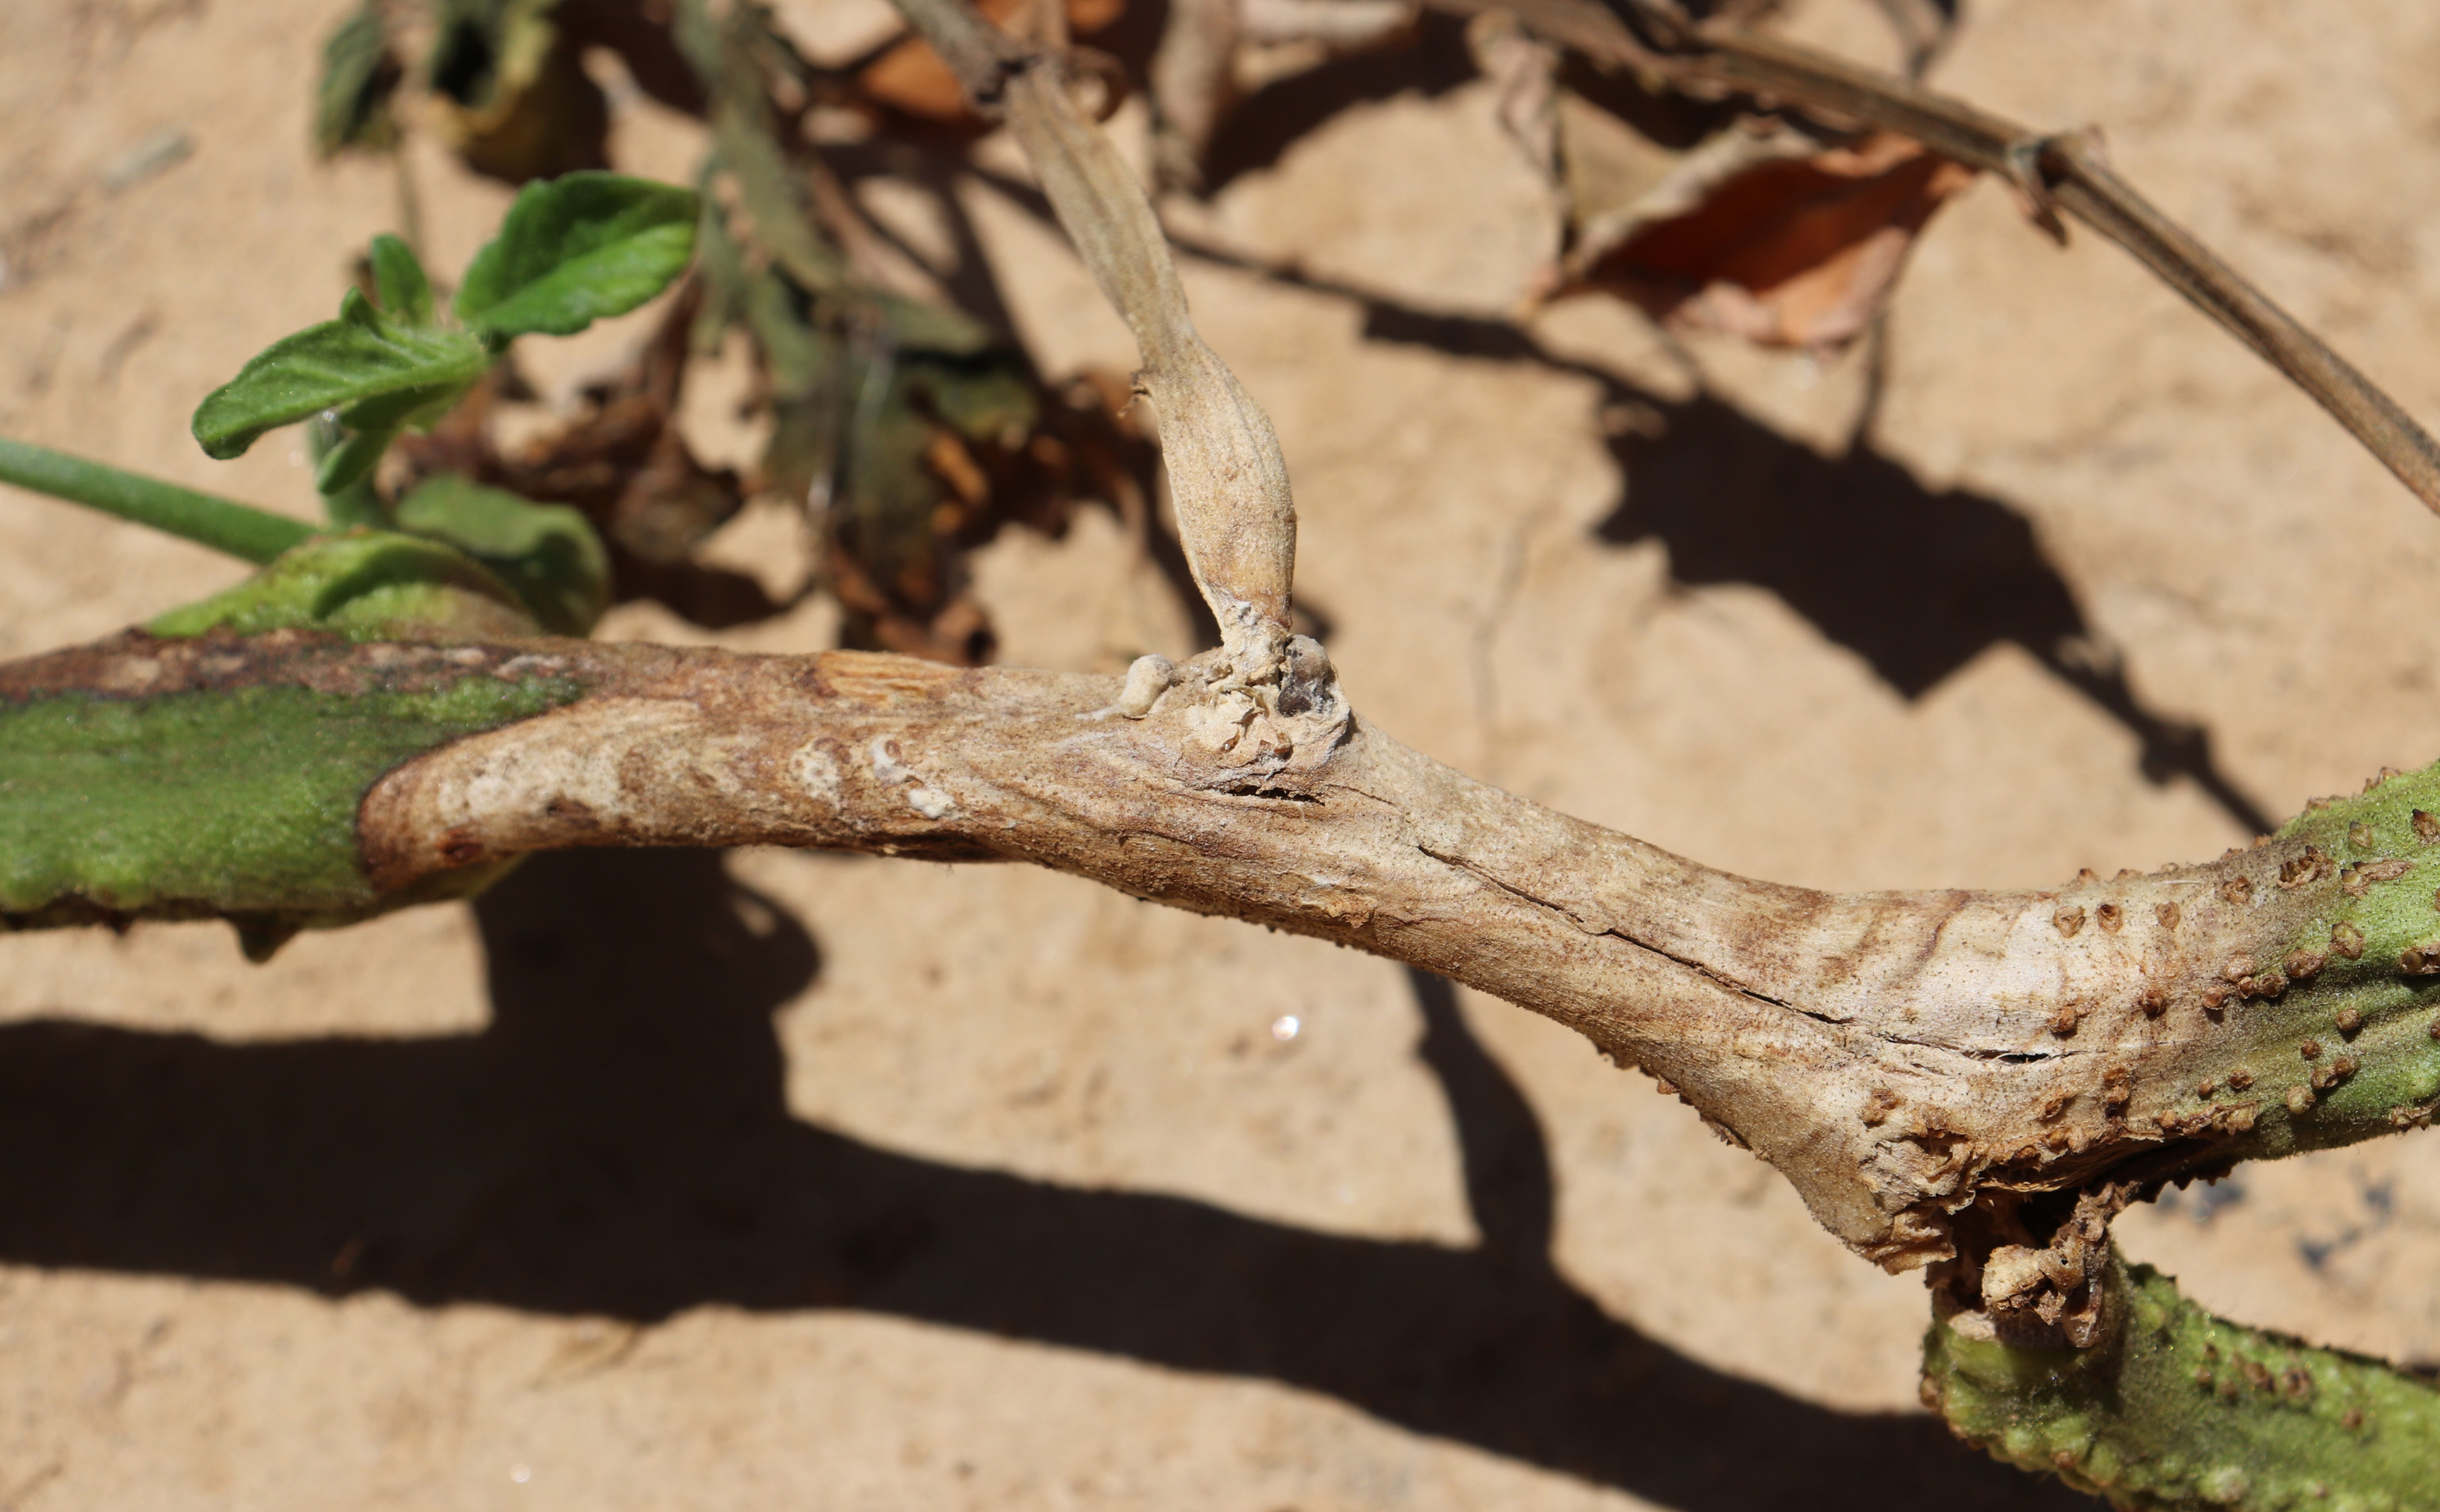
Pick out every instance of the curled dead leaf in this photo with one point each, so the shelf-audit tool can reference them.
(909, 78)
(1769, 236)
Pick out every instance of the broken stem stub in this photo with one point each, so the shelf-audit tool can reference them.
(1228, 483)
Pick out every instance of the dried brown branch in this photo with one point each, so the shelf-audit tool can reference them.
(1914, 1063)
(1919, 1065)
(2057, 172)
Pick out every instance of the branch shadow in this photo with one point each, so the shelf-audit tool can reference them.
(1917, 581)
(1259, 129)
(618, 1142)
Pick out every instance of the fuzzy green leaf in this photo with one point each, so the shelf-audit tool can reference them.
(398, 283)
(577, 249)
(377, 371)
(349, 465)
(366, 585)
(355, 504)
(548, 552)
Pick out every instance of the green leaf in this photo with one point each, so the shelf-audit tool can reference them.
(576, 250)
(356, 504)
(349, 465)
(367, 585)
(398, 283)
(548, 552)
(377, 372)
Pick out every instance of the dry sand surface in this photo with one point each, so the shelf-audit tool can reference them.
(785, 1180)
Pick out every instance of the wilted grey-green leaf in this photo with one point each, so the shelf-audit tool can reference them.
(769, 188)
(357, 360)
(916, 326)
(577, 249)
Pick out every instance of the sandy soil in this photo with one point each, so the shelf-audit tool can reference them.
(670, 1181)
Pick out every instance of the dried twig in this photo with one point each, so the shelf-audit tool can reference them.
(2063, 172)
(1227, 482)
(1899, 1056)
(1192, 79)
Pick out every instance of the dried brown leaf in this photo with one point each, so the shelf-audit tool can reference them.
(511, 97)
(912, 80)
(1770, 237)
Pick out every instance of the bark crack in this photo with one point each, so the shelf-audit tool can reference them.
(1611, 931)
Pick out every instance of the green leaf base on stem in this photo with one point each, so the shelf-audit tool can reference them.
(2174, 1408)
(2331, 1012)
(240, 802)
(367, 585)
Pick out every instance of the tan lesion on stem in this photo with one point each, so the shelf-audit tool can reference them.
(1899, 1056)
(1918, 1050)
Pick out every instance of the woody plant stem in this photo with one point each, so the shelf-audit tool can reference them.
(1976, 1082)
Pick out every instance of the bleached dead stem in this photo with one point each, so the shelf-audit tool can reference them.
(1914, 1063)
(1896, 1055)
(1227, 482)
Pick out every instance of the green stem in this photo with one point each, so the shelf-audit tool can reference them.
(354, 503)
(2175, 1410)
(239, 529)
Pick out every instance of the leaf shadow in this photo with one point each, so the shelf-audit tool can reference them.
(618, 1142)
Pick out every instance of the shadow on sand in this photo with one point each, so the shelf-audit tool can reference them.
(618, 1142)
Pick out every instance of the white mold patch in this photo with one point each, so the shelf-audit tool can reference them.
(887, 769)
(932, 803)
(816, 772)
(1147, 679)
